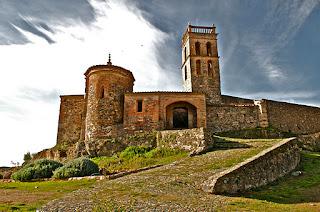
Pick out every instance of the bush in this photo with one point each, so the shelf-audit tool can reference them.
(38, 169)
(76, 168)
(1, 176)
(162, 153)
(134, 151)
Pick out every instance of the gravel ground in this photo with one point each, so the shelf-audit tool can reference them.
(174, 187)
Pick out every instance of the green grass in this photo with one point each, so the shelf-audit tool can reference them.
(28, 196)
(289, 193)
(257, 133)
(290, 189)
(133, 158)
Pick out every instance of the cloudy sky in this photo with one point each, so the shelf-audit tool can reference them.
(268, 49)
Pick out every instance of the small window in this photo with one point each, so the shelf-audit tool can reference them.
(139, 108)
(185, 73)
(197, 45)
(210, 69)
(185, 53)
(209, 50)
(198, 67)
(102, 93)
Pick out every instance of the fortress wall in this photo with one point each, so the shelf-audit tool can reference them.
(293, 117)
(259, 170)
(310, 142)
(226, 117)
(70, 119)
(232, 100)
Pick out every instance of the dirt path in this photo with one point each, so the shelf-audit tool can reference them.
(174, 187)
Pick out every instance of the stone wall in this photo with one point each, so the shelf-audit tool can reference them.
(70, 120)
(206, 78)
(232, 100)
(105, 88)
(257, 171)
(310, 142)
(227, 117)
(296, 118)
(195, 140)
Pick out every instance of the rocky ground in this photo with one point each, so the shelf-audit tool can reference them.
(174, 187)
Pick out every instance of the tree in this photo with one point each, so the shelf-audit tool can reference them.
(27, 157)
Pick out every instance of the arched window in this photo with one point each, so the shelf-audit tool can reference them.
(209, 50)
(185, 53)
(198, 67)
(210, 69)
(197, 45)
(185, 73)
(102, 93)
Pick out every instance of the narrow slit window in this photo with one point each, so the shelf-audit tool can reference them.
(185, 53)
(139, 107)
(198, 67)
(197, 45)
(209, 50)
(185, 73)
(210, 69)
(102, 93)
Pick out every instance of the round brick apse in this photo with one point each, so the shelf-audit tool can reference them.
(105, 89)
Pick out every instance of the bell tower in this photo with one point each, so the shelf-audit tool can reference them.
(200, 62)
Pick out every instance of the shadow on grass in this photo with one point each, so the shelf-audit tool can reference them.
(223, 144)
(293, 189)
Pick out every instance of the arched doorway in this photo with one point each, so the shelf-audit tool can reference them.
(181, 115)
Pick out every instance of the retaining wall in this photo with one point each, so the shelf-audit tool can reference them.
(195, 141)
(257, 171)
(310, 142)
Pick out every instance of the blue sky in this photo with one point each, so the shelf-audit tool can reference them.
(268, 49)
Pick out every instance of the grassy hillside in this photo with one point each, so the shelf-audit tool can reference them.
(174, 187)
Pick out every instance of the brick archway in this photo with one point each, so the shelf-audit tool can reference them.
(181, 115)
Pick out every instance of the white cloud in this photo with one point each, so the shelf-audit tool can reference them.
(283, 21)
(40, 70)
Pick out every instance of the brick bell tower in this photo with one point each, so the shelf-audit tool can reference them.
(200, 62)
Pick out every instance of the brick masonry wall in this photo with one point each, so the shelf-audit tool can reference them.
(70, 120)
(293, 117)
(154, 109)
(226, 117)
(195, 140)
(257, 171)
(147, 119)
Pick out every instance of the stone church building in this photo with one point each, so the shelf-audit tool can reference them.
(110, 108)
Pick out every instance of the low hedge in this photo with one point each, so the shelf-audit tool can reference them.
(79, 167)
(38, 169)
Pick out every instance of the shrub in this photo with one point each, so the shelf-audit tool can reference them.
(1, 176)
(38, 169)
(134, 151)
(76, 168)
(162, 153)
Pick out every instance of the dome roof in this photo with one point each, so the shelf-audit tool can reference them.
(109, 68)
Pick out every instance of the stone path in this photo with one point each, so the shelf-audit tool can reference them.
(174, 187)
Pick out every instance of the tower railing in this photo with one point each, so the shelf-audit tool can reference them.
(209, 30)
(201, 29)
